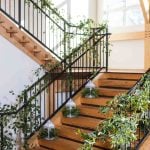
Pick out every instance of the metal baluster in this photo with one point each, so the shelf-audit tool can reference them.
(106, 49)
(25, 117)
(19, 13)
(33, 10)
(2, 132)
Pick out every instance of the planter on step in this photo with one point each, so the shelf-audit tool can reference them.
(48, 131)
(90, 90)
(70, 110)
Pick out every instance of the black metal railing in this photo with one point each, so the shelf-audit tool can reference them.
(50, 93)
(45, 25)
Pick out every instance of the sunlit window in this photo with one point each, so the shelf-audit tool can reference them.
(73, 10)
(120, 13)
(79, 10)
(62, 5)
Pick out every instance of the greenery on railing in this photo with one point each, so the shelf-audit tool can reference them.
(17, 123)
(129, 112)
(25, 109)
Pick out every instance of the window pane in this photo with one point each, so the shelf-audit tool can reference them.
(134, 16)
(132, 2)
(115, 19)
(110, 4)
(79, 10)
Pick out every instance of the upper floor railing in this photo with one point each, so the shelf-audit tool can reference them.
(46, 25)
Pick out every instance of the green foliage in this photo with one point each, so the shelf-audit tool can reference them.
(93, 92)
(90, 139)
(19, 122)
(130, 111)
(74, 111)
(120, 129)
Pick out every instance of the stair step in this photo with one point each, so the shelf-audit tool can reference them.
(1, 21)
(61, 144)
(11, 31)
(101, 101)
(111, 91)
(123, 76)
(47, 59)
(40, 148)
(35, 50)
(70, 133)
(24, 41)
(116, 83)
(82, 122)
(93, 112)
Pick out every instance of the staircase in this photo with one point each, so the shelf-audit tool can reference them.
(109, 84)
(78, 58)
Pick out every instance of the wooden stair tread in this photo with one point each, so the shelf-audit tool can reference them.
(111, 91)
(11, 30)
(101, 101)
(39, 148)
(93, 112)
(125, 76)
(70, 133)
(46, 59)
(81, 122)
(116, 83)
(61, 144)
(36, 51)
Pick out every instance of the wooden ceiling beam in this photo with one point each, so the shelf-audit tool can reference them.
(146, 18)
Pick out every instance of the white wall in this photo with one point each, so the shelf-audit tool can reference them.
(127, 55)
(16, 70)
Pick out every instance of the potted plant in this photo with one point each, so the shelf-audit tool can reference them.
(70, 110)
(90, 90)
(48, 131)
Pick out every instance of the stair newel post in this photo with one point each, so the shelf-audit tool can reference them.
(106, 45)
(19, 13)
(2, 133)
(25, 119)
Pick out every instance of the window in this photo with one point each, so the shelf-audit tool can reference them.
(120, 13)
(79, 10)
